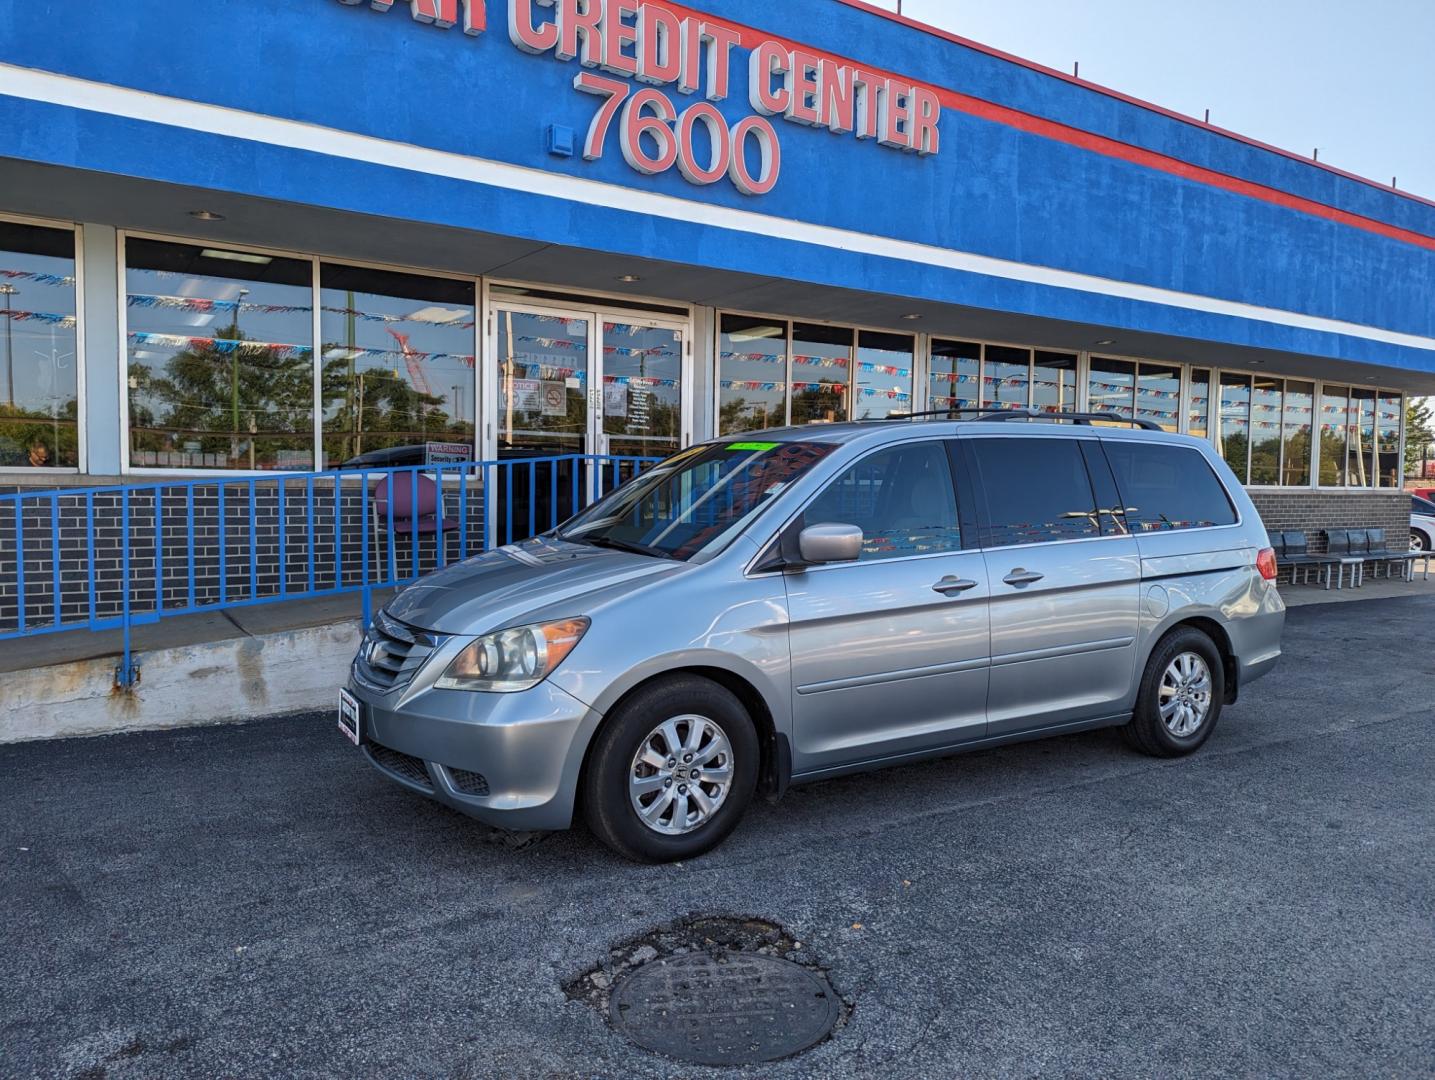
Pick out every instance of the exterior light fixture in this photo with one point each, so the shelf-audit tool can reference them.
(237, 256)
(1106, 341)
(206, 215)
(628, 279)
(911, 316)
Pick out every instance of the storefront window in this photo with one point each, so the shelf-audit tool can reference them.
(1334, 401)
(954, 379)
(1111, 386)
(221, 371)
(542, 373)
(38, 416)
(1392, 412)
(1006, 377)
(1053, 384)
(821, 373)
(1361, 441)
(1234, 440)
(752, 374)
(1265, 430)
(1158, 394)
(1198, 407)
(397, 365)
(1296, 421)
(883, 385)
(642, 389)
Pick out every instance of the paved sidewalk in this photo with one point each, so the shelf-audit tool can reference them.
(1381, 588)
(255, 901)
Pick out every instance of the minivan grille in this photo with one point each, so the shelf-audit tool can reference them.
(404, 766)
(392, 653)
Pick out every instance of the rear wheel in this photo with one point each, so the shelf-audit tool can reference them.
(1180, 697)
(671, 771)
(1418, 541)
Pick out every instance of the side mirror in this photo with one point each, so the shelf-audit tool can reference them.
(830, 543)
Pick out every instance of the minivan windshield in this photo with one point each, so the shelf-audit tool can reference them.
(694, 500)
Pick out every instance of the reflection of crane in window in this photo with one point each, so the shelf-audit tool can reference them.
(414, 361)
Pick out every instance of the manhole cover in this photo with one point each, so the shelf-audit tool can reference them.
(739, 1010)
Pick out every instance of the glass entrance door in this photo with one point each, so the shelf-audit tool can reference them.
(539, 370)
(602, 385)
(641, 413)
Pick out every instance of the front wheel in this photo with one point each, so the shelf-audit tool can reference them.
(1418, 541)
(1180, 696)
(671, 771)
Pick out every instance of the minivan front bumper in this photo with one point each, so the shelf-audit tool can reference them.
(509, 760)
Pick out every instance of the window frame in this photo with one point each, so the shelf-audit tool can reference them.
(76, 230)
(920, 358)
(983, 510)
(1234, 504)
(966, 515)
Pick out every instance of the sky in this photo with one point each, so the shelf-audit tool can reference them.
(1355, 78)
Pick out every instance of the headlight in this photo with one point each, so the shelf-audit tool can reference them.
(515, 659)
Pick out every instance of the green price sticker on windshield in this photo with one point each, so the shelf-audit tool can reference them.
(752, 446)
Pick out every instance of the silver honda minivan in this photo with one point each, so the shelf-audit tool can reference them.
(790, 605)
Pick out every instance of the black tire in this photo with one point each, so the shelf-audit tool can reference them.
(607, 803)
(1147, 731)
(1419, 541)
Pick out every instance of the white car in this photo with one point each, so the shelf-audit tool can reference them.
(1422, 524)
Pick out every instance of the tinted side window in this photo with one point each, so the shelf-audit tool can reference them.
(1422, 506)
(901, 498)
(1167, 487)
(1036, 490)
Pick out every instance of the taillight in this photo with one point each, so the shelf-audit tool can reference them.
(1266, 563)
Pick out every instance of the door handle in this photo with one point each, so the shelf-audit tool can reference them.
(950, 586)
(1021, 577)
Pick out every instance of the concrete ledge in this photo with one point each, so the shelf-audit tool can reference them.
(214, 667)
(206, 683)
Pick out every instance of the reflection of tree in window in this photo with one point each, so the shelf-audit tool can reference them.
(220, 358)
(38, 321)
(1333, 405)
(821, 372)
(397, 360)
(954, 379)
(1266, 414)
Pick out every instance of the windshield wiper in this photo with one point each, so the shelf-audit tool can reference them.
(623, 545)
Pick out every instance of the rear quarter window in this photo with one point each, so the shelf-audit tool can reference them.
(1167, 487)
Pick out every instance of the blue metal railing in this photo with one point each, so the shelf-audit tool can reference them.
(117, 557)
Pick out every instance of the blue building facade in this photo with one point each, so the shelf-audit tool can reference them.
(248, 236)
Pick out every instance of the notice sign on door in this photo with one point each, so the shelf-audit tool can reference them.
(555, 399)
(615, 400)
(526, 396)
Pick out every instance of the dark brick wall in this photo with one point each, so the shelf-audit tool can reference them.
(1314, 511)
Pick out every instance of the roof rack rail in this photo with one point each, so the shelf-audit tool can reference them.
(1086, 418)
(989, 415)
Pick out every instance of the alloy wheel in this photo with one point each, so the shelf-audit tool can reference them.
(1185, 694)
(681, 774)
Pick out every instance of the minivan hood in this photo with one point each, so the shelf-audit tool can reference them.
(499, 587)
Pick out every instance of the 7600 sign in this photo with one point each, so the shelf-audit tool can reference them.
(651, 112)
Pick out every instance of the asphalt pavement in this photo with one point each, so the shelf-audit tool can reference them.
(255, 901)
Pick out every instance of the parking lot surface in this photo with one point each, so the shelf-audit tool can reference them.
(255, 901)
